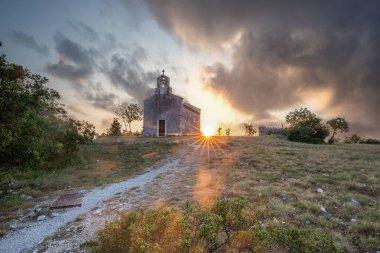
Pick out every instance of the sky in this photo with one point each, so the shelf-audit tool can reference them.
(238, 61)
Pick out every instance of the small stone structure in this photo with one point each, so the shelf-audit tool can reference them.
(166, 114)
(264, 130)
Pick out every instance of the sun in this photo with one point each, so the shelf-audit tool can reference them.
(208, 131)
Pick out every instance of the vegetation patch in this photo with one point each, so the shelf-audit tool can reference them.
(230, 225)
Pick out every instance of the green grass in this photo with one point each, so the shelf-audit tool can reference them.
(107, 160)
(344, 172)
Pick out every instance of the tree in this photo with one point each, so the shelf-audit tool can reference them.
(219, 131)
(34, 126)
(305, 126)
(249, 130)
(228, 132)
(337, 124)
(129, 113)
(115, 129)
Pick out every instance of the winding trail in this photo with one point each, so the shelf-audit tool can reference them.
(28, 238)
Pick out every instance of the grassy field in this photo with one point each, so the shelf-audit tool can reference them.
(312, 188)
(298, 189)
(107, 160)
(331, 187)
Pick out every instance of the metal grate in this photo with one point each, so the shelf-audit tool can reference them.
(66, 200)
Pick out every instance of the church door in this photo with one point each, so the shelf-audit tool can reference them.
(161, 128)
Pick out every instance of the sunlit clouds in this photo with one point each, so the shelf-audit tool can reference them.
(238, 61)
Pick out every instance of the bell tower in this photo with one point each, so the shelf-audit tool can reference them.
(163, 85)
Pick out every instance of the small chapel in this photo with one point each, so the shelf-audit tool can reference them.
(166, 114)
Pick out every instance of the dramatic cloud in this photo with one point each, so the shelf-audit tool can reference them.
(28, 41)
(286, 52)
(75, 61)
(78, 64)
(126, 73)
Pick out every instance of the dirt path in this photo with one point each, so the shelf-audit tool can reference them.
(182, 177)
(27, 238)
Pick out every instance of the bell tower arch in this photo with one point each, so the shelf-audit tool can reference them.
(163, 85)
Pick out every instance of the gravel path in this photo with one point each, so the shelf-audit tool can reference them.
(28, 238)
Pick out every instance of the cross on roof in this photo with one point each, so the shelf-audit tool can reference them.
(163, 72)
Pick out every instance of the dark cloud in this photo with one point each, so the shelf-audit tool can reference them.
(283, 50)
(78, 64)
(99, 97)
(75, 61)
(68, 72)
(28, 41)
(125, 72)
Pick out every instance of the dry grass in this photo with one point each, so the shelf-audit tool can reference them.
(283, 177)
(109, 159)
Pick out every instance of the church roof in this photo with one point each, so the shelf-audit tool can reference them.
(192, 107)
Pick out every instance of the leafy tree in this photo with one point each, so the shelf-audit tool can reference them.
(337, 124)
(129, 113)
(249, 130)
(228, 132)
(305, 126)
(33, 124)
(115, 129)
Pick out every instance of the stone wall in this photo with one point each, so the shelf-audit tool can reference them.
(191, 121)
(163, 107)
(264, 130)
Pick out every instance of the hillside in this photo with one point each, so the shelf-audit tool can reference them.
(331, 188)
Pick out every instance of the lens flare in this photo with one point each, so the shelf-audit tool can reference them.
(208, 131)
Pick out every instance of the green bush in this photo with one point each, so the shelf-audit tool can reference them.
(369, 141)
(352, 139)
(307, 134)
(34, 127)
(230, 225)
(306, 127)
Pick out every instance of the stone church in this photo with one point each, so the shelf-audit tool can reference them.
(166, 114)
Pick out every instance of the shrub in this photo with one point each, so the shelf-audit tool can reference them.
(369, 141)
(352, 139)
(306, 127)
(228, 226)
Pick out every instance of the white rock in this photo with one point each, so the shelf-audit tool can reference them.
(99, 211)
(39, 209)
(320, 190)
(25, 197)
(283, 196)
(41, 218)
(323, 209)
(188, 186)
(353, 220)
(55, 214)
(355, 202)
